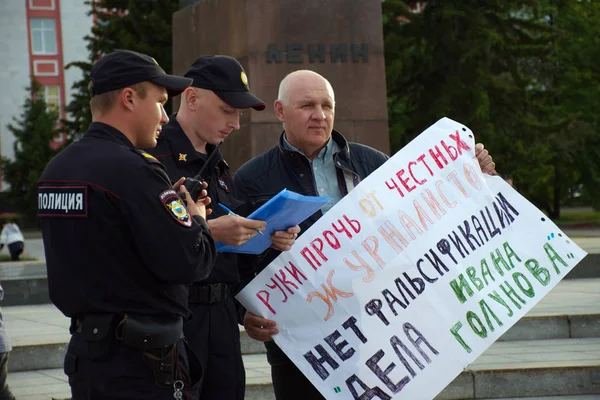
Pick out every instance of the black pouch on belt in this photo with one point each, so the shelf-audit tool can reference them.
(95, 329)
(150, 332)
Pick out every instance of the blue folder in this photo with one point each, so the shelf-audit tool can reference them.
(283, 211)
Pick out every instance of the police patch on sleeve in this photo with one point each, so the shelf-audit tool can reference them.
(223, 184)
(62, 201)
(175, 207)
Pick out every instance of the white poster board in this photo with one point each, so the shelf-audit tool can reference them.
(410, 277)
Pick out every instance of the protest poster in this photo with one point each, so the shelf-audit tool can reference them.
(410, 277)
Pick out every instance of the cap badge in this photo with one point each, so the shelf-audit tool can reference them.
(244, 78)
(182, 156)
(154, 60)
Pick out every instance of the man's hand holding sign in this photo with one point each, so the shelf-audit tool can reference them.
(412, 275)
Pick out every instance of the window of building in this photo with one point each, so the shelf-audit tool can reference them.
(43, 36)
(51, 95)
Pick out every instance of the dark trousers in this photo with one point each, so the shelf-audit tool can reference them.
(214, 335)
(5, 393)
(123, 374)
(16, 249)
(291, 384)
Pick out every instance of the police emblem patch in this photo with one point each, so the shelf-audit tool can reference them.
(223, 184)
(175, 207)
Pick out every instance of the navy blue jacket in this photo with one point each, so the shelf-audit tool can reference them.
(117, 237)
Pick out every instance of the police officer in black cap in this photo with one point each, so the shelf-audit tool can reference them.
(121, 244)
(209, 112)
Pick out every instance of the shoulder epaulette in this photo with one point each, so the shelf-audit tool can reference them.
(148, 157)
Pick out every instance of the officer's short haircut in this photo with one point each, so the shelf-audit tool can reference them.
(103, 103)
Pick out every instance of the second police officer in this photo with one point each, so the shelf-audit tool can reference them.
(209, 112)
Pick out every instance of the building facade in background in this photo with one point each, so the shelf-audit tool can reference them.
(38, 38)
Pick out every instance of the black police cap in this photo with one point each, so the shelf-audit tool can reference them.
(123, 68)
(225, 76)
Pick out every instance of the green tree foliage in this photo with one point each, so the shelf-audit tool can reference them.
(34, 132)
(143, 26)
(506, 69)
(576, 80)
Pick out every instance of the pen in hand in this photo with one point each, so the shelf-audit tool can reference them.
(224, 207)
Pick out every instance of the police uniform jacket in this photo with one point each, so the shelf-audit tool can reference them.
(117, 237)
(261, 178)
(177, 154)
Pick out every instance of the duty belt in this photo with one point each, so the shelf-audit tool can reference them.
(209, 293)
(139, 331)
(156, 337)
